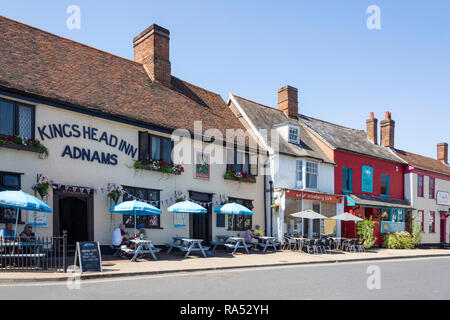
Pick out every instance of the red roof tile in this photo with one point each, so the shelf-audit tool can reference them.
(416, 160)
(37, 62)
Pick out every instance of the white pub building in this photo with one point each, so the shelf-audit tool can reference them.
(85, 129)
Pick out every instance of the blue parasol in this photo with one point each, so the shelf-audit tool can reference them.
(20, 200)
(135, 208)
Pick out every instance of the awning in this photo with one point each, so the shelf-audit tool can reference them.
(376, 202)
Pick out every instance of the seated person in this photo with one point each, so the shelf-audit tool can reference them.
(249, 235)
(7, 234)
(120, 237)
(141, 231)
(27, 234)
(258, 232)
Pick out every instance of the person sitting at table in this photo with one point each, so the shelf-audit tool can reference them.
(258, 232)
(120, 237)
(7, 234)
(27, 235)
(141, 231)
(250, 237)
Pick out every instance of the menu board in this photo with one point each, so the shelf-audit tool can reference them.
(88, 256)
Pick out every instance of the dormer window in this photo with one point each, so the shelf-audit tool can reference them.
(294, 135)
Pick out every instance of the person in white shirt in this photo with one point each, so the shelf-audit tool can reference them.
(120, 237)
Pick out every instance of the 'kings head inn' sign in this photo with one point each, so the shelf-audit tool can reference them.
(54, 131)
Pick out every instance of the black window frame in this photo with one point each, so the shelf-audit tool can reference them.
(7, 188)
(145, 139)
(237, 168)
(128, 220)
(16, 106)
(240, 221)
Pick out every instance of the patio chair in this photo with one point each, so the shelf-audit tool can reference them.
(326, 244)
(289, 243)
(335, 243)
(311, 246)
(360, 246)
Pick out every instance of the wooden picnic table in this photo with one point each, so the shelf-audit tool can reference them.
(236, 243)
(143, 247)
(221, 241)
(187, 245)
(268, 241)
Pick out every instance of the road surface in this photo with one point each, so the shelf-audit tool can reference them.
(425, 278)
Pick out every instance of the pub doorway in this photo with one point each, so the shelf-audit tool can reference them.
(73, 212)
(200, 225)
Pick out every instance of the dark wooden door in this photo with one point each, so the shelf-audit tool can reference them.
(443, 230)
(201, 224)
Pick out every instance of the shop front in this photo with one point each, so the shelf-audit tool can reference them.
(389, 215)
(291, 201)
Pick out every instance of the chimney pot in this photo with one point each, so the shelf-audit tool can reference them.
(151, 48)
(288, 101)
(387, 131)
(372, 128)
(442, 152)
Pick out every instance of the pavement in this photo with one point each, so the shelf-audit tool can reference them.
(174, 263)
(414, 278)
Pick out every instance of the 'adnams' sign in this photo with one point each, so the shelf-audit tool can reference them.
(54, 131)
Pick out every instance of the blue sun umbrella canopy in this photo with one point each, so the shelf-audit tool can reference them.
(233, 208)
(135, 208)
(20, 200)
(186, 207)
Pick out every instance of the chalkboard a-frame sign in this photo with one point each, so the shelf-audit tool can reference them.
(88, 256)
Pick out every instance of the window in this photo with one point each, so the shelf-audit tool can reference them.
(155, 147)
(9, 181)
(431, 184)
(294, 135)
(432, 222)
(220, 220)
(384, 185)
(299, 174)
(16, 119)
(312, 171)
(240, 221)
(146, 195)
(420, 215)
(420, 186)
(347, 180)
(239, 161)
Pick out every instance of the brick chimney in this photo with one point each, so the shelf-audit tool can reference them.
(288, 101)
(151, 48)
(442, 152)
(372, 128)
(387, 131)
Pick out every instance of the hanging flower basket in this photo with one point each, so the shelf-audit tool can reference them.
(41, 189)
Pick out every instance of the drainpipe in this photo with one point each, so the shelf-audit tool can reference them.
(270, 208)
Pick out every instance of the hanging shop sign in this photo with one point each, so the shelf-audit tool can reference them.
(202, 167)
(443, 198)
(294, 194)
(367, 179)
(55, 131)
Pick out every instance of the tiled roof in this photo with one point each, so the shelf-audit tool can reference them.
(422, 162)
(48, 66)
(348, 139)
(364, 200)
(265, 117)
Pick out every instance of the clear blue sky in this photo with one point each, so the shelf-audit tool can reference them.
(253, 47)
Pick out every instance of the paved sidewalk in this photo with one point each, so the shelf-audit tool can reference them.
(114, 267)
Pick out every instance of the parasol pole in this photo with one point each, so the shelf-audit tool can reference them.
(17, 220)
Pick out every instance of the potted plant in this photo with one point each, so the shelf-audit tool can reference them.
(41, 188)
